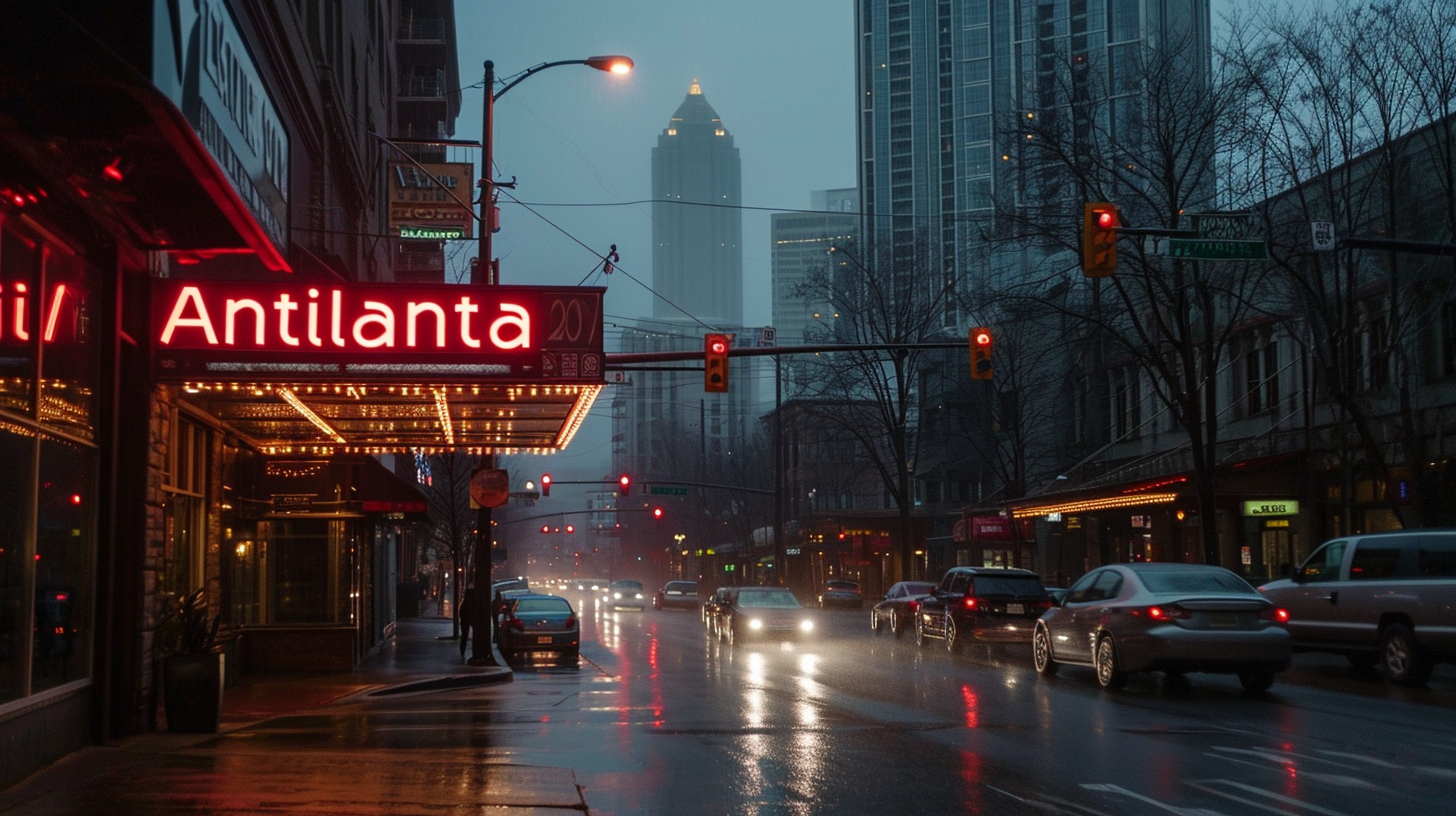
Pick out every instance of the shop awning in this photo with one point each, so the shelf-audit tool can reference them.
(286, 418)
(348, 484)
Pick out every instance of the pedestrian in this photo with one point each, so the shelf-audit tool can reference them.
(467, 616)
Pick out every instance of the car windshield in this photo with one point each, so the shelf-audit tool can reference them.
(1192, 581)
(537, 606)
(682, 587)
(850, 585)
(1014, 586)
(772, 599)
(630, 586)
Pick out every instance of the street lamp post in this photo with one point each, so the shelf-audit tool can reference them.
(486, 272)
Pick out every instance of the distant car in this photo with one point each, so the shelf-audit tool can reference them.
(535, 622)
(626, 594)
(767, 613)
(598, 585)
(1174, 618)
(897, 611)
(842, 594)
(676, 595)
(720, 599)
(1386, 599)
(988, 604)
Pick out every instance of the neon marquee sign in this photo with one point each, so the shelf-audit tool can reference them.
(240, 330)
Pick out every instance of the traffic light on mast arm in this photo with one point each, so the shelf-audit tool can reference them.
(545, 484)
(715, 363)
(981, 365)
(626, 482)
(1099, 239)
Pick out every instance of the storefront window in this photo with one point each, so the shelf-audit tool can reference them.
(15, 481)
(64, 547)
(305, 576)
(68, 355)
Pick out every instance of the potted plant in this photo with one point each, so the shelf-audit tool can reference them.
(192, 669)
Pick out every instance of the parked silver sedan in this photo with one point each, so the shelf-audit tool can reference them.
(1174, 618)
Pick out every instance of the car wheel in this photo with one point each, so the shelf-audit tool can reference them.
(920, 632)
(952, 641)
(1256, 680)
(875, 624)
(1041, 652)
(897, 626)
(1109, 676)
(1401, 660)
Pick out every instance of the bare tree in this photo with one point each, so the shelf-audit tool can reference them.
(1142, 133)
(451, 533)
(871, 395)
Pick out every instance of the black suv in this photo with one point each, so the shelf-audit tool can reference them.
(982, 603)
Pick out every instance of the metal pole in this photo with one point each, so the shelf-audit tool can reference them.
(481, 653)
(781, 565)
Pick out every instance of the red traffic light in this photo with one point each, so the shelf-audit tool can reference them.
(657, 512)
(1100, 223)
(626, 482)
(545, 528)
(981, 337)
(570, 528)
(982, 367)
(545, 484)
(715, 363)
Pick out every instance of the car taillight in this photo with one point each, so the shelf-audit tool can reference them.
(1045, 604)
(515, 623)
(970, 603)
(1161, 613)
(570, 621)
(1275, 614)
(914, 605)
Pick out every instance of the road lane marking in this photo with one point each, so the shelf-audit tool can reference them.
(1278, 797)
(1121, 791)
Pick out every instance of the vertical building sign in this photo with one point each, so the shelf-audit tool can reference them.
(201, 61)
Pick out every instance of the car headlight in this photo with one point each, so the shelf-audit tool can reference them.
(755, 623)
(639, 596)
(806, 626)
(617, 595)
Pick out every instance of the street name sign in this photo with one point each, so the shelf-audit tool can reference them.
(1218, 249)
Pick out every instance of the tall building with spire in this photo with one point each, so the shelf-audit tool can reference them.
(665, 427)
(697, 226)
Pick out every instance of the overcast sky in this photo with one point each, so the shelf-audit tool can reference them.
(780, 73)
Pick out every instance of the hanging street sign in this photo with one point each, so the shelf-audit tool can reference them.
(1218, 249)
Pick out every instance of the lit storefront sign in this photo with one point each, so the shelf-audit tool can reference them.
(230, 329)
(428, 202)
(1289, 507)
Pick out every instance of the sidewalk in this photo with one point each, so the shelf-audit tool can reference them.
(420, 655)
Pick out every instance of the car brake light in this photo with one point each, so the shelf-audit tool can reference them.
(1162, 613)
(1275, 614)
(971, 603)
(515, 623)
(1045, 604)
(571, 622)
(914, 605)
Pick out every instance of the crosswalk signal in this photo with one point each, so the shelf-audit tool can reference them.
(1099, 239)
(715, 363)
(981, 366)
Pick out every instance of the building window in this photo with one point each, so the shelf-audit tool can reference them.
(185, 511)
(1125, 405)
(1261, 379)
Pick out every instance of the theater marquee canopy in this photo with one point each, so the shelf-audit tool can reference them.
(325, 368)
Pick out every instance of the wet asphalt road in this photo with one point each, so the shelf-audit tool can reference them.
(659, 719)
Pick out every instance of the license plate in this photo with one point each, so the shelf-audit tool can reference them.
(1015, 609)
(1223, 620)
(543, 639)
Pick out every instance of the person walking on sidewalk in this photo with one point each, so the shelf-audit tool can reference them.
(467, 614)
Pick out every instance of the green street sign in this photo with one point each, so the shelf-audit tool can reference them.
(1218, 249)
(669, 491)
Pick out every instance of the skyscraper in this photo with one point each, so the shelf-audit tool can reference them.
(697, 226)
(941, 84)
